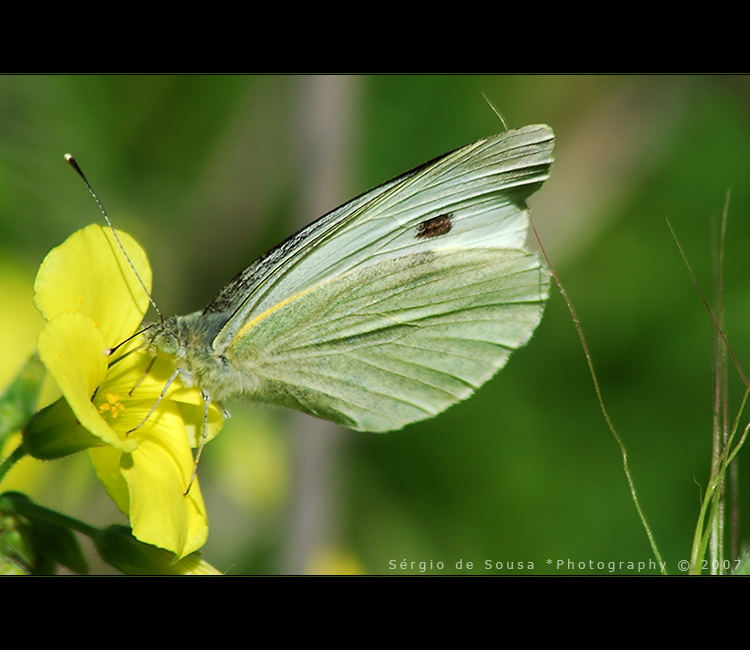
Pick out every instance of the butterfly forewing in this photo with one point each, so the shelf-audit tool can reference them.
(470, 198)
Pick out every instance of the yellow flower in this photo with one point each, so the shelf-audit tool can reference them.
(92, 301)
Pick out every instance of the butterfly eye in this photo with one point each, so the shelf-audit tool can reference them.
(435, 226)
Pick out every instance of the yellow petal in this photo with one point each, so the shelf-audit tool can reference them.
(89, 274)
(157, 474)
(72, 348)
(195, 565)
(106, 462)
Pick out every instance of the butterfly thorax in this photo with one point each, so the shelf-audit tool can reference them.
(188, 340)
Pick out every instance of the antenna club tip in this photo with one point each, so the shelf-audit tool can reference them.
(72, 162)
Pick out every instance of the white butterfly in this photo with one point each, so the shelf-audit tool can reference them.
(389, 309)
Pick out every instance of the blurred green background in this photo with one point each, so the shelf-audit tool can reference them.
(208, 172)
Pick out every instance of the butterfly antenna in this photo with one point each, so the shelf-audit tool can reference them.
(72, 162)
(110, 351)
(495, 111)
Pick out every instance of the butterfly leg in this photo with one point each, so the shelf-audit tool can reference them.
(204, 435)
(161, 396)
(143, 376)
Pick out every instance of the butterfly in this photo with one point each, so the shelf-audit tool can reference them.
(389, 309)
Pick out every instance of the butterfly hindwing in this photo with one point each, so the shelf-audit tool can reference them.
(396, 341)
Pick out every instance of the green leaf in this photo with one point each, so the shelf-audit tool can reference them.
(32, 544)
(117, 546)
(55, 432)
(16, 550)
(19, 401)
(58, 545)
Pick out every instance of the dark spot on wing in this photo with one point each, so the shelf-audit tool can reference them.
(435, 226)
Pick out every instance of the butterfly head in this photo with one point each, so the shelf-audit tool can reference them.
(166, 336)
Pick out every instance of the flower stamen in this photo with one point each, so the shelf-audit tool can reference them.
(113, 405)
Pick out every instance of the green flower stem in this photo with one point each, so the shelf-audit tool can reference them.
(17, 454)
(23, 506)
(600, 400)
(710, 499)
